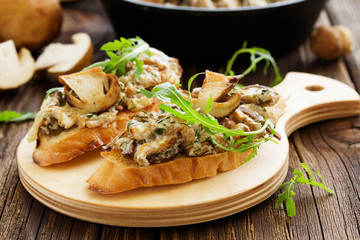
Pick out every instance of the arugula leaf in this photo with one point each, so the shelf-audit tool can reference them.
(52, 90)
(169, 93)
(11, 116)
(121, 52)
(288, 187)
(256, 55)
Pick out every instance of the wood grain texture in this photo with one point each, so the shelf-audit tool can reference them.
(22, 217)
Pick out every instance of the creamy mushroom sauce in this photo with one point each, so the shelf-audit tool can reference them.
(157, 137)
(153, 138)
(215, 3)
(158, 68)
(56, 114)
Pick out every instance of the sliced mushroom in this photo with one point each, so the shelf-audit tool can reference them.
(154, 147)
(91, 90)
(15, 70)
(221, 109)
(217, 85)
(60, 59)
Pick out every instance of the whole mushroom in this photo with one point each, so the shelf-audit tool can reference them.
(330, 42)
(30, 23)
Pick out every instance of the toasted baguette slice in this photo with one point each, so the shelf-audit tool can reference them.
(64, 146)
(117, 173)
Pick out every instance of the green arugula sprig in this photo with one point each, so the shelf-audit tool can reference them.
(288, 188)
(12, 116)
(121, 52)
(256, 55)
(169, 93)
(52, 90)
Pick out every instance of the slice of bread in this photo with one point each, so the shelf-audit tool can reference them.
(64, 146)
(117, 173)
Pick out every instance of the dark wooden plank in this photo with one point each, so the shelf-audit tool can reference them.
(243, 225)
(55, 226)
(21, 216)
(347, 13)
(306, 224)
(269, 222)
(85, 230)
(110, 232)
(14, 201)
(334, 211)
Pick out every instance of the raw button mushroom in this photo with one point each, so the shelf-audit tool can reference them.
(59, 59)
(330, 42)
(92, 90)
(30, 23)
(15, 70)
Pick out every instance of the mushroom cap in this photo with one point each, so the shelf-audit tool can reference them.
(60, 59)
(15, 69)
(347, 38)
(218, 86)
(92, 90)
(30, 24)
(326, 43)
(221, 109)
(329, 42)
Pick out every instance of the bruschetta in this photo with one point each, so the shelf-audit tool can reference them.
(179, 144)
(93, 106)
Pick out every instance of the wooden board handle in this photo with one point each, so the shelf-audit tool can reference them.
(311, 98)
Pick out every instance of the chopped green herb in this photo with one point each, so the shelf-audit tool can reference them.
(256, 55)
(11, 116)
(121, 52)
(144, 111)
(264, 91)
(141, 117)
(161, 120)
(288, 187)
(129, 124)
(90, 115)
(189, 144)
(204, 153)
(160, 131)
(122, 101)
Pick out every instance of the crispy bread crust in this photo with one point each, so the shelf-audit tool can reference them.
(117, 174)
(73, 142)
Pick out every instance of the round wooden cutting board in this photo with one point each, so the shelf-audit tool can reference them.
(63, 187)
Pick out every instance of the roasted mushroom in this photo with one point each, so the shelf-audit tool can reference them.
(218, 86)
(221, 109)
(91, 90)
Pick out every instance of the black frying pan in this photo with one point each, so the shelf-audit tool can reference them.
(205, 34)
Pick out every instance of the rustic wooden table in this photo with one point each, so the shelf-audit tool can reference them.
(332, 147)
